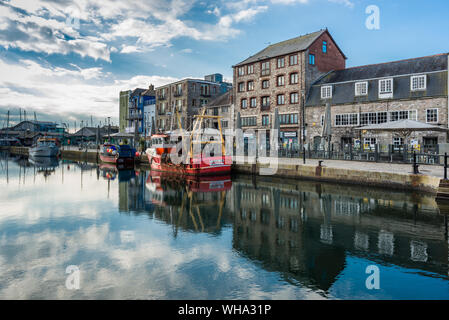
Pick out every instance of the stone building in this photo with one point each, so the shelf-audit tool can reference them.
(414, 89)
(222, 106)
(278, 76)
(187, 96)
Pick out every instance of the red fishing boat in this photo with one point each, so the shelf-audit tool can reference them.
(122, 155)
(202, 164)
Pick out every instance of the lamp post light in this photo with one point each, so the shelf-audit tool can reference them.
(303, 126)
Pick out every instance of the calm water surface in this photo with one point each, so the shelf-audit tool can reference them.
(136, 235)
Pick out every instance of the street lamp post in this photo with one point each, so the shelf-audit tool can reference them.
(303, 126)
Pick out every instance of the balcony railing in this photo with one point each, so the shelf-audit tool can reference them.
(177, 94)
(265, 107)
(161, 97)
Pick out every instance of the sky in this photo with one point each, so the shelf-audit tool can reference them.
(67, 60)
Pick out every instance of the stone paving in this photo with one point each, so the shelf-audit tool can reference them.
(430, 170)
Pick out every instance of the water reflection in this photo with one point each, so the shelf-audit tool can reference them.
(146, 235)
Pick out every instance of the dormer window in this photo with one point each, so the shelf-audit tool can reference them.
(326, 92)
(418, 83)
(386, 88)
(361, 88)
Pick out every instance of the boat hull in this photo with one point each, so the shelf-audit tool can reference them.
(117, 160)
(44, 151)
(213, 166)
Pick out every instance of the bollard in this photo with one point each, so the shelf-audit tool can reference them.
(304, 154)
(445, 166)
(415, 165)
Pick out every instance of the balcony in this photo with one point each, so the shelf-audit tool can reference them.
(161, 97)
(135, 117)
(205, 94)
(177, 94)
(265, 107)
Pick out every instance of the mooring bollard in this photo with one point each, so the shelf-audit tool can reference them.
(445, 166)
(415, 165)
(304, 154)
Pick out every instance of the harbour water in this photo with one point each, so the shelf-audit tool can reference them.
(139, 235)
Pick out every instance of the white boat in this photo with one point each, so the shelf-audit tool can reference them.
(45, 147)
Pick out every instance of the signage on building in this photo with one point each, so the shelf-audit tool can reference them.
(290, 134)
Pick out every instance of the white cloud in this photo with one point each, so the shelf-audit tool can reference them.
(64, 91)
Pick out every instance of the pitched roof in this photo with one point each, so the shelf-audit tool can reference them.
(396, 68)
(300, 43)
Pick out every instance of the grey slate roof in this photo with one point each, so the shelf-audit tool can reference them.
(300, 43)
(343, 81)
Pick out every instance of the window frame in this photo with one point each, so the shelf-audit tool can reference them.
(386, 94)
(280, 76)
(312, 59)
(277, 99)
(427, 115)
(418, 77)
(324, 46)
(297, 97)
(246, 103)
(297, 77)
(357, 93)
(295, 60)
(282, 59)
(324, 89)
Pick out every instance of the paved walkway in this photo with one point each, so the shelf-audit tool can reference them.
(430, 170)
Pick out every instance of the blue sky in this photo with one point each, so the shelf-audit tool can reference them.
(68, 59)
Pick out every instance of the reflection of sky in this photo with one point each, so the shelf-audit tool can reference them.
(47, 225)
(70, 218)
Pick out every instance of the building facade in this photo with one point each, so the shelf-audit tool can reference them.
(187, 97)
(222, 106)
(124, 110)
(279, 76)
(414, 89)
(139, 99)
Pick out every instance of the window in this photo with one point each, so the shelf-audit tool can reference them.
(403, 115)
(265, 68)
(205, 89)
(294, 79)
(249, 121)
(266, 102)
(244, 104)
(348, 119)
(361, 88)
(293, 60)
(294, 97)
(241, 86)
(241, 71)
(288, 118)
(253, 102)
(281, 62)
(224, 109)
(250, 85)
(251, 69)
(368, 118)
(386, 88)
(326, 92)
(324, 46)
(280, 81)
(432, 115)
(224, 124)
(369, 141)
(397, 141)
(418, 83)
(265, 84)
(312, 59)
(265, 120)
(281, 99)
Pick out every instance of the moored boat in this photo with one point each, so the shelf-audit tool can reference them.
(122, 155)
(197, 164)
(45, 147)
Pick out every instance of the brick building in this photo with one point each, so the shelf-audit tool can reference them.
(187, 96)
(278, 76)
(222, 106)
(414, 89)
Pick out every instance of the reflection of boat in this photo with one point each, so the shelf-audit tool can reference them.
(45, 147)
(209, 184)
(44, 162)
(118, 154)
(209, 160)
(110, 172)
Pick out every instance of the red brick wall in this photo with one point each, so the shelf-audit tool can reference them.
(332, 60)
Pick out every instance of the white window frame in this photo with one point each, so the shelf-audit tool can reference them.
(326, 92)
(241, 71)
(438, 115)
(357, 93)
(386, 94)
(423, 76)
(349, 116)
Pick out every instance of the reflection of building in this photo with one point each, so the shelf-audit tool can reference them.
(306, 230)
